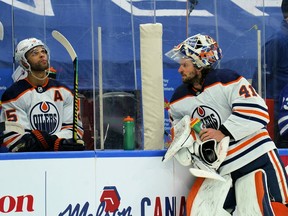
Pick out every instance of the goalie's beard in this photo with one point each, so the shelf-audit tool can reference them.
(197, 79)
(193, 80)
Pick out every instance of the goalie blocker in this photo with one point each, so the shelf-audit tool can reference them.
(187, 143)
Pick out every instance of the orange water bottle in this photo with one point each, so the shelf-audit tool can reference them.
(128, 133)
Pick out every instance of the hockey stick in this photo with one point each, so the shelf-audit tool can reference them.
(1, 31)
(61, 39)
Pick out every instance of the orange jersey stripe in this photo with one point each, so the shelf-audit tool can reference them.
(188, 96)
(232, 151)
(252, 112)
(226, 84)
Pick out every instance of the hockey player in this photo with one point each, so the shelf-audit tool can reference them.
(228, 107)
(37, 112)
(275, 71)
(283, 113)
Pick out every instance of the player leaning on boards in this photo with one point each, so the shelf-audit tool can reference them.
(228, 106)
(38, 111)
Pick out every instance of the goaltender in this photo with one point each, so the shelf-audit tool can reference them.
(233, 140)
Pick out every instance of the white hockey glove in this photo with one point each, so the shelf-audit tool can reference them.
(209, 152)
(184, 145)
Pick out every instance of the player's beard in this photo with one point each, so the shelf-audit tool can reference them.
(40, 66)
(196, 79)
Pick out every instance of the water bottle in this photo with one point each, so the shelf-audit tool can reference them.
(196, 125)
(128, 133)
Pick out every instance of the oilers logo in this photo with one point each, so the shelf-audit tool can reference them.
(45, 116)
(208, 116)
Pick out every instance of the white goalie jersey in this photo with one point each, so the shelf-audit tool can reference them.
(229, 100)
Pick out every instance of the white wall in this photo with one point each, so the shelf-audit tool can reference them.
(54, 182)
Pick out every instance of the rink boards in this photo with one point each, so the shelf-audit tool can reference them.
(91, 183)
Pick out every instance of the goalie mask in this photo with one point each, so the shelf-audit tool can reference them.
(203, 50)
(23, 47)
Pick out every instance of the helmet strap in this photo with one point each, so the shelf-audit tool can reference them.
(28, 69)
(41, 79)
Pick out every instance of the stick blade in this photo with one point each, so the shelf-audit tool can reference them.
(63, 40)
(1, 31)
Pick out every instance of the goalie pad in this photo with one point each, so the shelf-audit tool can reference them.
(252, 196)
(204, 199)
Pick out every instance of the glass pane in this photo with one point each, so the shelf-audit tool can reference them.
(241, 29)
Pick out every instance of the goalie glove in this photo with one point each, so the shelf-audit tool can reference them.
(187, 143)
(209, 152)
(213, 153)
